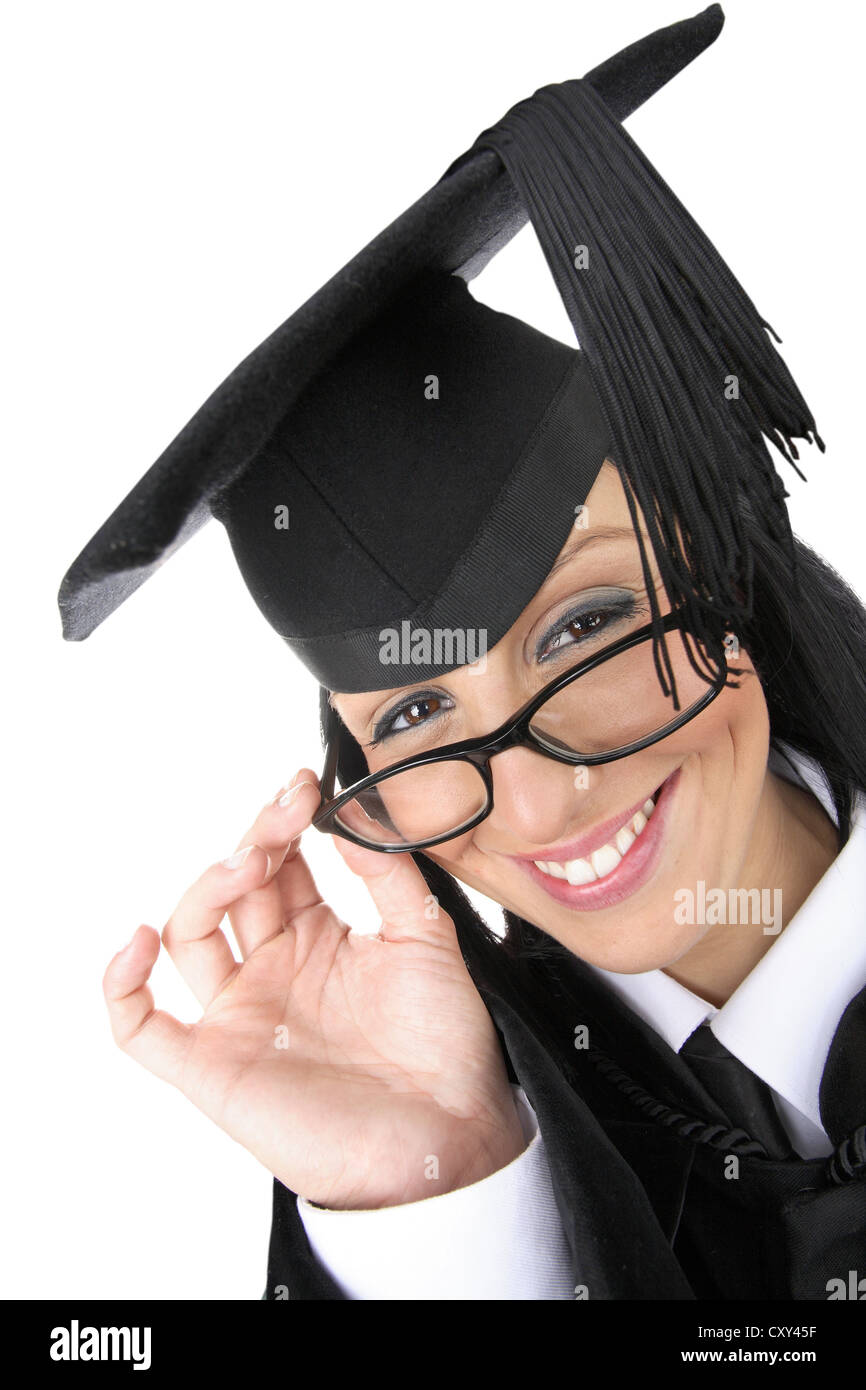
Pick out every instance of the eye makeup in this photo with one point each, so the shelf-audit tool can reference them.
(384, 728)
(602, 611)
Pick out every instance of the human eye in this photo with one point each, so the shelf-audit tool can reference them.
(608, 612)
(413, 712)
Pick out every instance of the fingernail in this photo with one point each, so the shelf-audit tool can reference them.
(292, 792)
(235, 860)
(277, 797)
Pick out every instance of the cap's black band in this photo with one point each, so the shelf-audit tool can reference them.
(496, 577)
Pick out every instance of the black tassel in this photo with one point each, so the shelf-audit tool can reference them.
(664, 324)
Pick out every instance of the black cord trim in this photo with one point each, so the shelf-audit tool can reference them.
(715, 1136)
(848, 1162)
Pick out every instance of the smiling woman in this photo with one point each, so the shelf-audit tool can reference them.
(643, 791)
(669, 697)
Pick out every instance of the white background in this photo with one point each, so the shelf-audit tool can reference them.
(178, 178)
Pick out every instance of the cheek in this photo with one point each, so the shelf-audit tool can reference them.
(452, 854)
(471, 867)
(724, 754)
(739, 718)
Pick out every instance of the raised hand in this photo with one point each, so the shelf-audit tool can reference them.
(361, 1071)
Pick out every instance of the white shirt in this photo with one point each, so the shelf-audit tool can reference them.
(501, 1238)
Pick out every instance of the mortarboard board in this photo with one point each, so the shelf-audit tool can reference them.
(392, 398)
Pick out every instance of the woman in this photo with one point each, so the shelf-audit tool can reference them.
(390, 1055)
(645, 789)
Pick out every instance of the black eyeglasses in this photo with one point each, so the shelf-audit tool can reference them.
(605, 708)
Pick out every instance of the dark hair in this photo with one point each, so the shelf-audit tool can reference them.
(808, 647)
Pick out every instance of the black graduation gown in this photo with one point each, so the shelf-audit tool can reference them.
(639, 1156)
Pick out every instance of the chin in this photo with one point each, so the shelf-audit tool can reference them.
(639, 946)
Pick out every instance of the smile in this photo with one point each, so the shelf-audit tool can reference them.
(618, 857)
(604, 860)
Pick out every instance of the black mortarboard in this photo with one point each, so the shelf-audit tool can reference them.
(398, 452)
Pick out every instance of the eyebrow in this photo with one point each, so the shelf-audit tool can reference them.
(603, 533)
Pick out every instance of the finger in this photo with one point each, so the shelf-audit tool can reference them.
(155, 1039)
(408, 909)
(192, 935)
(285, 816)
(290, 887)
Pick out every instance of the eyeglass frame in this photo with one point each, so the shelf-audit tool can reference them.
(513, 733)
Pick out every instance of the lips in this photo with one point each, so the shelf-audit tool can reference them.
(584, 845)
(604, 860)
(622, 872)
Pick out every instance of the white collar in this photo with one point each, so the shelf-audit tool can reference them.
(781, 1020)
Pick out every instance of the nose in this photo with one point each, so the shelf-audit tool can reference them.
(535, 799)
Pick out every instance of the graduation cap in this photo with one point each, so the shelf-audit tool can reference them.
(396, 452)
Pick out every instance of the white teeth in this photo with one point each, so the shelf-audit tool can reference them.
(624, 839)
(556, 870)
(580, 871)
(605, 860)
(602, 861)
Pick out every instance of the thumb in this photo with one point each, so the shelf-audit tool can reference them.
(409, 911)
